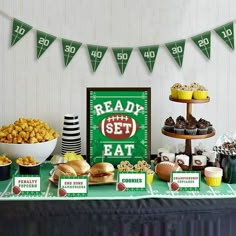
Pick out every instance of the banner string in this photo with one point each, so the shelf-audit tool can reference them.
(3, 13)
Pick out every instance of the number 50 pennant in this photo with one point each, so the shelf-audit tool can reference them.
(122, 56)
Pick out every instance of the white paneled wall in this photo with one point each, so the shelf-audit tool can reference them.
(47, 90)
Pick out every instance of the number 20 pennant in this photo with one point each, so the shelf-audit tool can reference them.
(149, 54)
(44, 41)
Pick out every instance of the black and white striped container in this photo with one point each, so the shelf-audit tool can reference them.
(71, 138)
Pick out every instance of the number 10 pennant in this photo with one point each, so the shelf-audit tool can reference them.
(19, 30)
(149, 54)
(226, 32)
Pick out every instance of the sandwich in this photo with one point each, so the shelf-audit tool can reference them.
(63, 170)
(102, 172)
(81, 167)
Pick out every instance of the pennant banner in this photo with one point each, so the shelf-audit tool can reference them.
(70, 48)
(176, 49)
(122, 56)
(19, 29)
(203, 41)
(149, 54)
(96, 54)
(226, 32)
(44, 40)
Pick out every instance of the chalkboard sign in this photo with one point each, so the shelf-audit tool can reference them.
(118, 125)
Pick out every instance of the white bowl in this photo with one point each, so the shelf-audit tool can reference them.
(39, 151)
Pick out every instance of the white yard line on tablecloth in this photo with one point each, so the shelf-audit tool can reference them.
(48, 188)
(10, 183)
(231, 189)
(150, 188)
(212, 190)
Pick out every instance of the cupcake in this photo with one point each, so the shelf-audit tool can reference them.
(169, 124)
(200, 93)
(191, 128)
(180, 127)
(174, 90)
(201, 127)
(194, 86)
(180, 118)
(185, 93)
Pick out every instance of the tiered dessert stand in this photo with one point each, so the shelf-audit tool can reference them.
(188, 138)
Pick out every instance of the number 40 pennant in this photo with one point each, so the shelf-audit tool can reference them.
(96, 54)
(149, 54)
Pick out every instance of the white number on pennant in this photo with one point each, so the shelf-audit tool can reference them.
(70, 49)
(227, 33)
(149, 54)
(44, 41)
(203, 42)
(122, 56)
(177, 50)
(97, 54)
(20, 30)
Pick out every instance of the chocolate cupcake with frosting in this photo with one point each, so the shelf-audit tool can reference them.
(180, 127)
(169, 124)
(202, 127)
(191, 128)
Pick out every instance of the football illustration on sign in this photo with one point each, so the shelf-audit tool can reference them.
(118, 126)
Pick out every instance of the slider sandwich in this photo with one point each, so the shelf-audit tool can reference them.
(102, 172)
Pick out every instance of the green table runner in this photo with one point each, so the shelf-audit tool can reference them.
(159, 189)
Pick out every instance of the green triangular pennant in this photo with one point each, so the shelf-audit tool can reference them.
(203, 41)
(96, 54)
(149, 54)
(176, 49)
(19, 29)
(226, 32)
(122, 56)
(44, 40)
(70, 48)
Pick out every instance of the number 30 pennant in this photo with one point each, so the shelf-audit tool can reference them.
(19, 30)
(44, 40)
(70, 48)
(176, 49)
(122, 56)
(149, 54)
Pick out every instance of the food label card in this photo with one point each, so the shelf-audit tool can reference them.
(131, 181)
(29, 185)
(73, 186)
(185, 180)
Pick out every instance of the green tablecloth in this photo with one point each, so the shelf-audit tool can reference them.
(159, 189)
